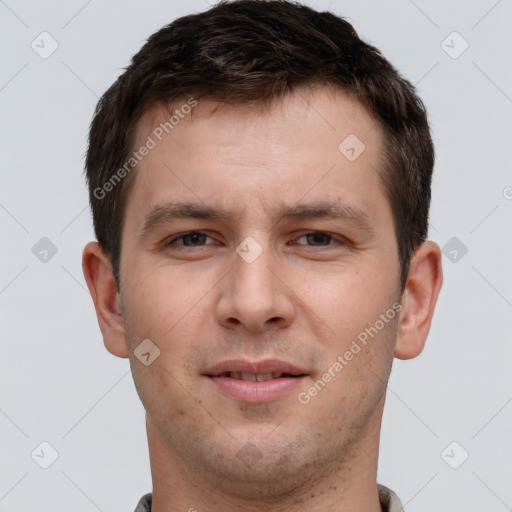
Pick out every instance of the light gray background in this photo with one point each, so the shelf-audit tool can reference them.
(60, 385)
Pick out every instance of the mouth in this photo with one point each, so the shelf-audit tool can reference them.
(255, 382)
(256, 377)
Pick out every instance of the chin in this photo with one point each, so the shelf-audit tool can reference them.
(267, 467)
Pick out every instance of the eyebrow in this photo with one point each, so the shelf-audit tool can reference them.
(161, 215)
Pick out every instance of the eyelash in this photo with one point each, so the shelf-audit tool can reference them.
(183, 235)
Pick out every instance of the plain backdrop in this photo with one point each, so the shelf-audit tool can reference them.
(446, 437)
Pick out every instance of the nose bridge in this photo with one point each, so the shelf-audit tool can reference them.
(253, 283)
(253, 295)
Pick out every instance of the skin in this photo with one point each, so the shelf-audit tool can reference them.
(303, 300)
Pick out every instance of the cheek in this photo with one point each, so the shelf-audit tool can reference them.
(351, 305)
(159, 389)
(361, 371)
(344, 299)
(159, 303)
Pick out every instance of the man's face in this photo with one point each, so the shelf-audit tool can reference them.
(287, 296)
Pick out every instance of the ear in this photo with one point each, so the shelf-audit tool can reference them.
(419, 300)
(100, 281)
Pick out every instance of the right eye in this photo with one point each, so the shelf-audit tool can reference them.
(190, 239)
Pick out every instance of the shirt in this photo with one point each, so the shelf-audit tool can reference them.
(388, 500)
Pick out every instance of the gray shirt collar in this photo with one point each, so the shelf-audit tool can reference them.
(388, 501)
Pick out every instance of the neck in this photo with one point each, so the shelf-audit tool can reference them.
(347, 483)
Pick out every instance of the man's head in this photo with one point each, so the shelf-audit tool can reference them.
(249, 52)
(268, 231)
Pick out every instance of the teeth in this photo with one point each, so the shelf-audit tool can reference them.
(264, 376)
(251, 377)
(259, 377)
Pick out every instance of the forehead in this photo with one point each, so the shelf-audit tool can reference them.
(319, 142)
(320, 108)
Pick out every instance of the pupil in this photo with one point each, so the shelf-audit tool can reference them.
(319, 236)
(193, 237)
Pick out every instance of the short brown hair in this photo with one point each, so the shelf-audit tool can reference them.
(248, 51)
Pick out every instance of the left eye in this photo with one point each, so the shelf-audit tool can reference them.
(317, 238)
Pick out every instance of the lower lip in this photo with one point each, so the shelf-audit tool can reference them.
(255, 391)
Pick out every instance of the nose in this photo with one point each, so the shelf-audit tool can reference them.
(255, 295)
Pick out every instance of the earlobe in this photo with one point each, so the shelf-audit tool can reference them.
(420, 297)
(100, 281)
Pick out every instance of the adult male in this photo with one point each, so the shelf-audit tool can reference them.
(260, 185)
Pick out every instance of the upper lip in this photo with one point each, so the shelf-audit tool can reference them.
(254, 367)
